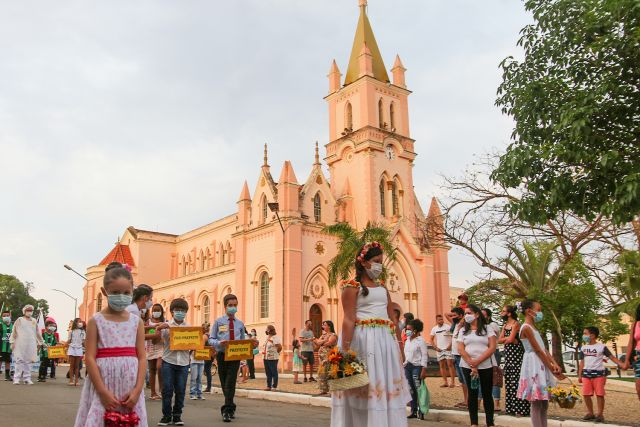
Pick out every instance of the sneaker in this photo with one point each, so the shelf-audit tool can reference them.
(177, 421)
(16, 382)
(42, 380)
(164, 421)
(28, 382)
(226, 418)
(201, 398)
(192, 397)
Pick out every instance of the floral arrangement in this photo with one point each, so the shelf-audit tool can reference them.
(366, 248)
(118, 419)
(564, 397)
(377, 323)
(343, 370)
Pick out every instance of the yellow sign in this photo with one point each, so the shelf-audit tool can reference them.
(204, 354)
(186, 338)
(238, 350)
(56, 352)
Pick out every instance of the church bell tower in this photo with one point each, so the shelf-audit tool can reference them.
(370, 152)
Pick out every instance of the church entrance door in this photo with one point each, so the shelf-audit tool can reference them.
(315, 315)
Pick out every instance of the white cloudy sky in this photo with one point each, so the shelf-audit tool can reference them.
(152, 113)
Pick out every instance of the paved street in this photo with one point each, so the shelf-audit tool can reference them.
(54, 404)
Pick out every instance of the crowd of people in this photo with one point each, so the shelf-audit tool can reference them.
(126, 346)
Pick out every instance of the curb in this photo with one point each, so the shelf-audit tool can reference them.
(435, 415)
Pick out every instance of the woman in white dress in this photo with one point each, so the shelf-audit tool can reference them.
(367, 330)
(25, 339)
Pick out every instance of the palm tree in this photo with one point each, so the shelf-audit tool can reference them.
(350, 241)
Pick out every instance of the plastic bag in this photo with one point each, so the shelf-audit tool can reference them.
(424, 399)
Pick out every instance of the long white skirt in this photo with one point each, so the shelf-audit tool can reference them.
(383, 402)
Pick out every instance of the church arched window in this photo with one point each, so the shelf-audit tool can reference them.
(394, 199)
(392, 116)
(264, 295)
(348, 116)
(317, 208)
(264, 208)
(381, 114)
(206, 309)
(383, 209)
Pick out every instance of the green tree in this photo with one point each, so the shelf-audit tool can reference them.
(350, 241)
(625, 284)
(576, 106)
(14, 295)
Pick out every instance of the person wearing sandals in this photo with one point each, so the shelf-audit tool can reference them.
(75, 350)
(416, 360)
(456, 319)
(297, 361)
(271, 351)
(155, 348)
(513, 352)
(325, 343)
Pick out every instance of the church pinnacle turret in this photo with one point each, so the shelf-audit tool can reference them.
(364, 35)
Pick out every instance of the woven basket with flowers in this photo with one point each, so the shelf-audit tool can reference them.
(344, 371)
(565, 397)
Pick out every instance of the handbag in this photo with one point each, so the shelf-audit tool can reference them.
(424, 398)
(498, 374)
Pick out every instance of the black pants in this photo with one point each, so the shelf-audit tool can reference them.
(44, 365)
(486, 384)
(207, 373)
(252, 368)
(228, 373)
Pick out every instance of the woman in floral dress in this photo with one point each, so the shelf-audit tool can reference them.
(325, 343)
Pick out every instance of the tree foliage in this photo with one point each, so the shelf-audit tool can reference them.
(575, 100)
(14, 295)
(350, 241)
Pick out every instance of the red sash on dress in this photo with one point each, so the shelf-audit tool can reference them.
(116, 352)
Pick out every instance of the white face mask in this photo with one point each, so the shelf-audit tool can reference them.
(148, 304)
(375, 271)
(28, 313)
(157, 314)
(469, 318)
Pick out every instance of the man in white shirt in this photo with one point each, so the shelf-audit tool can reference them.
(441, 341)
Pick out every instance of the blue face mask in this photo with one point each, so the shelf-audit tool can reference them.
(408, 333)
(119, 302)
(586, 339)
(179, 315)
(232, 310)
(539, 316)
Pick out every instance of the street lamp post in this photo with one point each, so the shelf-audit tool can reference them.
(71, 269)
(75, 308)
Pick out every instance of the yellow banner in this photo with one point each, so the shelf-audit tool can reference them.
(56, 352)
(186, 338)
(204, 354)
(238, 350)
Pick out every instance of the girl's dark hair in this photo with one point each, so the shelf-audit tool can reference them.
(409, 316)
(489, 313)
(295, 344)
(638, 313)
(161, 318)
(526, 305)
(116, 273)
(112, 265)
(374, 251)
(482, 324)
(75, 323)
(141, 291)
(331, 327)
(511, 311)
(417, 325)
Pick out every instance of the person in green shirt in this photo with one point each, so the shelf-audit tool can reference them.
(49, 338)
(5, 345)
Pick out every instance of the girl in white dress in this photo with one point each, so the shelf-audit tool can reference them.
(75, 349)
(367, 330)
(538, 367)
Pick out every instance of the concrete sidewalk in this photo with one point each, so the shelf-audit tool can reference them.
(435, 415)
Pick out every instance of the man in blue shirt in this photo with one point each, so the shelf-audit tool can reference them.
(224, 329)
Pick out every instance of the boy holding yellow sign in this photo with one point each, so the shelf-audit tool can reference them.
(224, 332)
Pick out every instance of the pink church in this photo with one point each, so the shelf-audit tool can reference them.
(271, 251)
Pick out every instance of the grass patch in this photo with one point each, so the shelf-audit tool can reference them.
(629, 380)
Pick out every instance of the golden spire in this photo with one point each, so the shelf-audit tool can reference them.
(364, 35)
(266, 157)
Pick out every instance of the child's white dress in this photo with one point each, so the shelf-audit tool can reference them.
(534, 376)
(119, 374)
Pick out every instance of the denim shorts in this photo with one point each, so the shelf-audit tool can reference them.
(636, 364)
(456, 363)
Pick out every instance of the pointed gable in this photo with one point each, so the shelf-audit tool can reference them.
(120, 253)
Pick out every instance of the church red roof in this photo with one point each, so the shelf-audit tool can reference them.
(120, 253)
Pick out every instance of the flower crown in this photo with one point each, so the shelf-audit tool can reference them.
(366, 249)
(127, 267)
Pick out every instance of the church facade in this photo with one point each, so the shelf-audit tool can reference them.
(271, 251)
